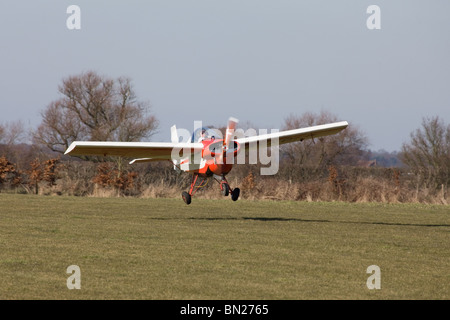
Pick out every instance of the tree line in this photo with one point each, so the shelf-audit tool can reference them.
(92, 107)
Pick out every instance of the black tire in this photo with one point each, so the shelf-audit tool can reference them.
(235, 194)
(225, 189)
(186, 197)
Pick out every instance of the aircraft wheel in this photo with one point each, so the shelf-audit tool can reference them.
(235, 194)
(186, 197)
(225, 189)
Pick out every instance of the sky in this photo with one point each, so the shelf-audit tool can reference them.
(256, 60)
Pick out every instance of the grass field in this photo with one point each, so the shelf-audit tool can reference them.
(218, 249)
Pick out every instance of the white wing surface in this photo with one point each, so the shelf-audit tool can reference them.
(150, 151)
(294, 135)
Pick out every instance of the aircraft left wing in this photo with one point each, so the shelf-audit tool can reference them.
(294, 135)
(150, 151)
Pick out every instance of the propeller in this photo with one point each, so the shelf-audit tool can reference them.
(232, 122)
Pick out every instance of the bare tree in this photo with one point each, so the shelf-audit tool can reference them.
(94, 108)
(2, 133)
(428, 153)
(346, 147)
(12, 133)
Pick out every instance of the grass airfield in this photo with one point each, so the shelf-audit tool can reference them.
(130, 248)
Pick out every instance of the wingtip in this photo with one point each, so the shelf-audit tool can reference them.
(70, 148)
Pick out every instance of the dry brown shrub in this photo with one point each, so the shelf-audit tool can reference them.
(248, 183)
(108, 177)
(50, 172)
(8, 173)
(35, 174)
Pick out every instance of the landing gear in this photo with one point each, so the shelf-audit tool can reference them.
(186, 197)
(224, 187)
(235, 194)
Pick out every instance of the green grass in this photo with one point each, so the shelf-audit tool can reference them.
(219, 249)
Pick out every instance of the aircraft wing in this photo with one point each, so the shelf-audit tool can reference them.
(294, 135)
(144, 151)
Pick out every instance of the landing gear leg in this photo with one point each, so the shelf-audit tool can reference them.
(226, 189)
(187, 196)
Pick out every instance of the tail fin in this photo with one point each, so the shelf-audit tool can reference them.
(175, 139)
(174, 134)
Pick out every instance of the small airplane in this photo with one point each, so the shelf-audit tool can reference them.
(206, 155)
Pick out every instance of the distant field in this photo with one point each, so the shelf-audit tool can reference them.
(218, 249)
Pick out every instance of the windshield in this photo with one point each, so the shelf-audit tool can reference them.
(205, 133)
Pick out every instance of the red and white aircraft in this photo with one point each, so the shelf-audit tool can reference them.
(206, 155)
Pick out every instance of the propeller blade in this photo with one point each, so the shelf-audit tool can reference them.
(232, 122)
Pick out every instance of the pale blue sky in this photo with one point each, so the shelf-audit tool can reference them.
(256, 60)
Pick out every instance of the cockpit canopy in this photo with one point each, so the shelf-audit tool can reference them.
(205, 133)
